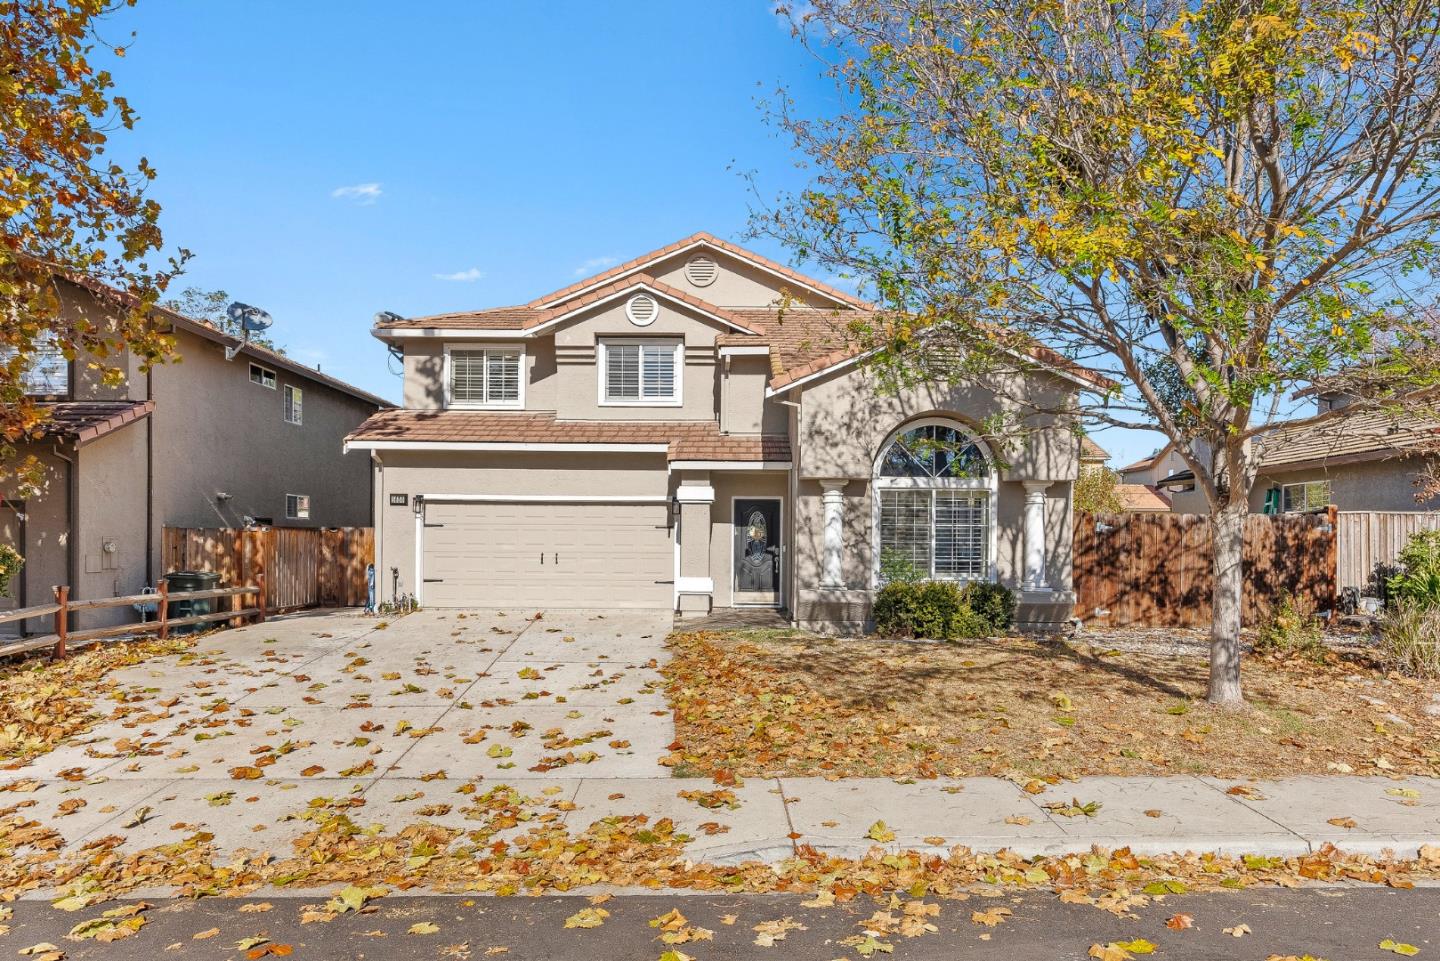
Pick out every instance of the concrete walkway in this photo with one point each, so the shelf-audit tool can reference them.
(257, 724)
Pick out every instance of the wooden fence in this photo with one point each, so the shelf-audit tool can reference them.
(1154, 570)
(1369, 542)
(302, 566)
(64, 639)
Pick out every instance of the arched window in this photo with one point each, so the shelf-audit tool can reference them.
(935, 504)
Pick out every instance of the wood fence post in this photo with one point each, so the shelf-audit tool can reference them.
(260, 598)
(164, 609)
(62, 620)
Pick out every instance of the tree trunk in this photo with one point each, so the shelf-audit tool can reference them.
(1228, 529)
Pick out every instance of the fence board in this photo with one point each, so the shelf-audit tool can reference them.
(302, 566)
(1369, 542)
(1154, 570)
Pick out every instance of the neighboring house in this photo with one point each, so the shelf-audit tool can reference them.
(690, 430)
(1366, 461)
(1137, 488)
(199, 442)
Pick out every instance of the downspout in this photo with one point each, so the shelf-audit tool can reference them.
(150, 479)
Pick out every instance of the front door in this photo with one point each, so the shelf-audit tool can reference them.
(757, 551)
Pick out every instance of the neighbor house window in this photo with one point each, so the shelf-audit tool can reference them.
(934, 491)
(1309, 496)
(294, 405)
(263, 376)
(641, 372)
(48, 372)
(297, 506)
(485, 378)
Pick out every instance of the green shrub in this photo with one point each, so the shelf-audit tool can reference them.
(1291, 628)
(940, 610)
(995, 603)
(895, 567)
(1410, 638)
(10, 564)
(1419, 579)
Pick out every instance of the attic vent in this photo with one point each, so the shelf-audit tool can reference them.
(642, 310)
(701, 271)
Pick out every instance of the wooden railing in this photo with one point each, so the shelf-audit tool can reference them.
(63, 639)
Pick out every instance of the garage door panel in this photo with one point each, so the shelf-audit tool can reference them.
(547, 555)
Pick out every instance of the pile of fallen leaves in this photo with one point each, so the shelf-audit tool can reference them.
(520, 845)
(808, 706)
(42, 702)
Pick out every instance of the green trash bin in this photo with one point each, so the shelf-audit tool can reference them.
(178, 581)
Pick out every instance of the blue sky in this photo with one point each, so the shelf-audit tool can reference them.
(328, 160)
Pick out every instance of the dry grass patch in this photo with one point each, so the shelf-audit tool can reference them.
(790, 704)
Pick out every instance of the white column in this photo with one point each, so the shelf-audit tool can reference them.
(1036, 578)
(832, 574)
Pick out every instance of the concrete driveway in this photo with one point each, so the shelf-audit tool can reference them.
(255, 724)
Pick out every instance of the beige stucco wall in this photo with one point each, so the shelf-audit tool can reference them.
(452, 472)
(47, 531)
(738, 285)
(743, 406)
(111, 509)
(424, 381)
(1386, 485)
(216, 431)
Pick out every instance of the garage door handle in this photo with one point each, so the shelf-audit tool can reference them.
(557, 557)
(542, 558)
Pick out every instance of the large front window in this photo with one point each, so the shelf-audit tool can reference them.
(641, 372)
(933, 485)
(48, 372)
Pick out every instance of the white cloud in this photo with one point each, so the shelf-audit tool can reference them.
(464, 276)
(594, 265)
(363, 194)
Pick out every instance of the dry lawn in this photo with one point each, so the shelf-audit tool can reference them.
(767, 704)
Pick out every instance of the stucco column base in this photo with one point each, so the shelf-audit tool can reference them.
(1043, 612)
(692, 606)
(695, 588)
(833, 610)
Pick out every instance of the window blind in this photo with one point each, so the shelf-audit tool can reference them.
(640, 372)
(485, 376)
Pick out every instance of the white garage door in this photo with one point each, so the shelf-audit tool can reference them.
(547, 555)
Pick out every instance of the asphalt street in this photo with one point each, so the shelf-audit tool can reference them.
(1338, 924)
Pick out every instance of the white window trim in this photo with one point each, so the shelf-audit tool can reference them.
(990, 482)
(274, 381)
(288, 405)
(297, 516)
(602, 353)
(517, 404)
(1303, 484)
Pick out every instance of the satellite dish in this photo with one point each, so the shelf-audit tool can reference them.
(250, 319)
(387, 317)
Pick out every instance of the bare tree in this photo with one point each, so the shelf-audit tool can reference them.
(1213, 202)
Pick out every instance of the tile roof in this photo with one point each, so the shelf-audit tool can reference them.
(527, 318)
(1089, 450)
(1142, 497)
(86, 420)
(1366, 435)
(687, 440)
(710, 240)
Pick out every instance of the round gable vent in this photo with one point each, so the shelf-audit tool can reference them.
(702, 270)
(642, 310)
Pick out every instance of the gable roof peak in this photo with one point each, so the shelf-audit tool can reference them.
(699, 239)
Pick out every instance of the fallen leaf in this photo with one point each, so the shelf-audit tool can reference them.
(587, 918)
(1239, 931)
(1399, 947)
(991, 916)
(1180, 922)
(426, 927)
(879, 832)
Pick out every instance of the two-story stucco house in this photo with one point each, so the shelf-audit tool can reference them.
(691, 430)
(204, 441)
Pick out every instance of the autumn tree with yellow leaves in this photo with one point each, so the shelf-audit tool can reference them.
(67, 209)
(1212, 202)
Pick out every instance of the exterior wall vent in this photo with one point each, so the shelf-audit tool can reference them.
(642, 309)
(702, 270)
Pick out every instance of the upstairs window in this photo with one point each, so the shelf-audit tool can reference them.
(263, 376)
(294, 405)
(48, 372)
(489, 377)
(641, 372)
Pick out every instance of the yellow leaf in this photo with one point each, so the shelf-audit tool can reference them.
(587, 918)
(879, 832)
(424, 927)
(1399, 947)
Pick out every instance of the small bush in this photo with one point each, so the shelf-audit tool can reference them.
(993, 602)
(941, 610)
(896, 568)
(1419, 579)
(1410, 639)
(1291, 628)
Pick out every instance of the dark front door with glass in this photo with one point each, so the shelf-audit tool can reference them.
(757, 551)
